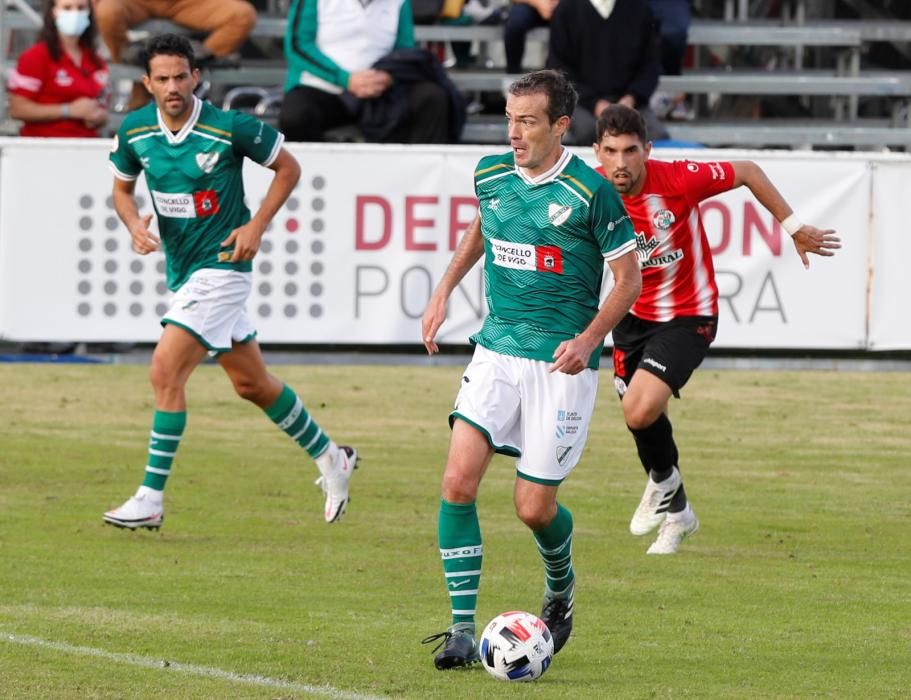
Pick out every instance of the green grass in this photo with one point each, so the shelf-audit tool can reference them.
(796, 586)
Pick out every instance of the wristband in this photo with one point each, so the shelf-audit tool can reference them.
(792, 224)
(64, 111)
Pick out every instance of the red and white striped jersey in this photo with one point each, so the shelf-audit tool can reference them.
(678, 277)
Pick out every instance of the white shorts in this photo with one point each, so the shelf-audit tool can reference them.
(210, 306)
(528, 412)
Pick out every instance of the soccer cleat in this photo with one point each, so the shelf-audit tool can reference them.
(459, 647)
(674, 531)
(654, 504)
(557, 614)
(335, 483)
(137, 512)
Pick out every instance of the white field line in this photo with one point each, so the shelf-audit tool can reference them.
(188, 669)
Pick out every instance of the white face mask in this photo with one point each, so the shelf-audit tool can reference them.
(72, 22)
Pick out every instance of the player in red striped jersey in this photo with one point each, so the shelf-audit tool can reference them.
(667, 333)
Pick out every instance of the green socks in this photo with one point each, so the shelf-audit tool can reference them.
(167, 429)
(555, 544)
(289, 414)
(461, 549)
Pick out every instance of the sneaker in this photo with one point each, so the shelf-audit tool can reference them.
(335, 483)
(557, 614)
(138, 511)
(459, 647)
(654, 504)
(673, 532)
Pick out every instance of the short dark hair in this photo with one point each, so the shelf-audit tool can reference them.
(561, 95)
(167, 45)
(617, 120)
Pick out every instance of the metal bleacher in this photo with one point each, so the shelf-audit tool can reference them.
(840, 87)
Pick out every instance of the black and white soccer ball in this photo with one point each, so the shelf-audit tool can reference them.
(516, 646)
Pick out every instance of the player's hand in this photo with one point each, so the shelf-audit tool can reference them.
(245, 240)
(571, 356)
(433, 318)
(366, 84)
(810, 239)
(144, 241)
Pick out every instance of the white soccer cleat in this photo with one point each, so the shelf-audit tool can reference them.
(335, 483)
(654, 504)
(138, 511)
(673, 531)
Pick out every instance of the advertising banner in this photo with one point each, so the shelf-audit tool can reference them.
(367, 234)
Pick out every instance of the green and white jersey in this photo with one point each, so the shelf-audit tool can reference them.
(546, 240)
(195, 178)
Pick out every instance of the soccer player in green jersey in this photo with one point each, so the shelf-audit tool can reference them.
(192, 155)
(546, 227)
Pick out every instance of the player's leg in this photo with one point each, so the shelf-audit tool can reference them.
(484, 421)
(252, 381)
(176, 356)
(671, 353)
(228, 21)
(556, 413)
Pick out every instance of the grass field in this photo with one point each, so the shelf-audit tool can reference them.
(798, 584)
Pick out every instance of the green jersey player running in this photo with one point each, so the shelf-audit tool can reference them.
(192, 155)
(546, 226)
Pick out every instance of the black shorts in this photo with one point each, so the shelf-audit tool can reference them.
(671, 350)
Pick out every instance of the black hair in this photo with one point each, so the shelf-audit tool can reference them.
(167, 45)
(617, 120)
(561, 95)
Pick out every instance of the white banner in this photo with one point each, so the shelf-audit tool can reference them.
(367, 234)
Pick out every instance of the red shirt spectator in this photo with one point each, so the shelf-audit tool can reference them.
(41, 79)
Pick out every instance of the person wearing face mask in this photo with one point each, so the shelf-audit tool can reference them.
(59, 85)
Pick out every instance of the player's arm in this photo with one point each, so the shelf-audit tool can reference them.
(572, 356)
(807, 239)
(144, 241)
(246, 238)
(470, 250)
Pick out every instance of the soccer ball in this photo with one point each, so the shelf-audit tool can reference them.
(516, 646)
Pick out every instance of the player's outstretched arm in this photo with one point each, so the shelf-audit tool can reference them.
(470, 250)
(806, 238)
(143, 240)
(246, 238)
(571, 356)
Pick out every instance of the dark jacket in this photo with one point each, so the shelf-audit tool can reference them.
(606, 58)
(380, 116)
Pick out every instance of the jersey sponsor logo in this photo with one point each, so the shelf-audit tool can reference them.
(494, 204)
(692, 167)
(662, 260)
(558, 213)
(644, 246)
(664, 219)
(178, 205)
(207, 161)
(459, 552)
(611, 225)
(549, 258)
(717, 171)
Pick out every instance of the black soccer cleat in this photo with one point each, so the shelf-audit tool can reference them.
(557, 614)
(459, 648)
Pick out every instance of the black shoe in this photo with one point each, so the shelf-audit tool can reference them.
(557, 614)
(459, 647)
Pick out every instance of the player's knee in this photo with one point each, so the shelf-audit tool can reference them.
(243, 16)
(639, 415)
(249, 389)
(535, 517)
(458, 487)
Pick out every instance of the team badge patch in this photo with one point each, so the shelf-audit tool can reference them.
(206, 161)
(664, 219)
(558, 213)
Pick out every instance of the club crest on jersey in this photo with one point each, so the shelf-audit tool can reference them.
(206, 161)
(664, 219)
(558, 213)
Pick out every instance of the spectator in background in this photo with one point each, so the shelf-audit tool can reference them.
(332, 51)
(228, 21)
(609, 49)
(673, 29)
(524, 15)
(58, 86)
